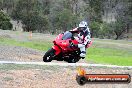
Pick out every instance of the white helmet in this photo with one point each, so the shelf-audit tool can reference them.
(83, 25)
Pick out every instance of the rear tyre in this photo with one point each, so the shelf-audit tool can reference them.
(48, 57)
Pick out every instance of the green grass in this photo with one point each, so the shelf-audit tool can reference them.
(110, 56)
(30, 44)
(99, 53)
(110, 52)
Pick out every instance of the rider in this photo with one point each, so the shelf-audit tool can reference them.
(83, 37)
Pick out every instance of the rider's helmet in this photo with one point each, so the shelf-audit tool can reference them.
(82, 26)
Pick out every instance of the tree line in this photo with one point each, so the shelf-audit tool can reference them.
(106, 18)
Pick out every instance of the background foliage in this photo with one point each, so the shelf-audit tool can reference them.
(5, 22)
(106, 18)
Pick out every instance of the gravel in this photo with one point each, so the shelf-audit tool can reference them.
(62, 78)
(16, 53)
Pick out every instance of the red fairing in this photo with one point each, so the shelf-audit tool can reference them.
(64, 45)
(56, 48)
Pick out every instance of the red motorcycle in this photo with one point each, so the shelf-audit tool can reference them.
(64, 49)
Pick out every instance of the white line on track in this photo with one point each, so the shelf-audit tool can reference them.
(65, 64)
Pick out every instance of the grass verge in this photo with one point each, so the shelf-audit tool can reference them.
(30, 44)
(109, 56)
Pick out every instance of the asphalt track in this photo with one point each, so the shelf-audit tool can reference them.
(65, 64)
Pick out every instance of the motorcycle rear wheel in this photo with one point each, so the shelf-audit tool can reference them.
(48, 57)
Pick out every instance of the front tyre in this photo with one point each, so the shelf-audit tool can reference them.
(48, 57)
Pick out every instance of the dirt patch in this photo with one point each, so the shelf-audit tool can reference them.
(16, 53)
(47, 78)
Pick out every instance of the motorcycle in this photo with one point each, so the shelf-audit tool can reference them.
(64, 49)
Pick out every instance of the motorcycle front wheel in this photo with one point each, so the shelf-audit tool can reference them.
(48, 57)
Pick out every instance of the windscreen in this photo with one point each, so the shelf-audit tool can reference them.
(67, 35)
